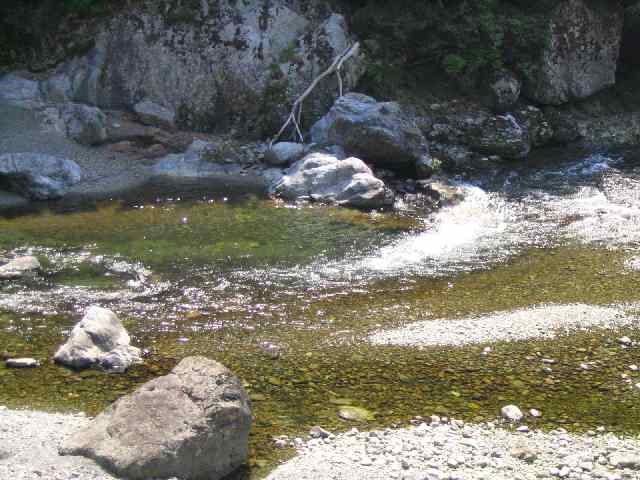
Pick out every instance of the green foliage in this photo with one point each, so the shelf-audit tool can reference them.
(454, 64)
(466, 39)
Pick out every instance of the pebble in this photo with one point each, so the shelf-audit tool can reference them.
(441, 451)
(624, 341)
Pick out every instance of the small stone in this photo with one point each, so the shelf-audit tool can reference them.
(633, 368)
(524, 453)
(511, 413)
(22, 363)
(535, 413)
(523, 429)
(319, 432)
(624, 341)
(625, 460)
(280, 443)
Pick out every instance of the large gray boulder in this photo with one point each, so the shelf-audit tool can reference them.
(191, 424)
(83, 123)
(37, 175)
(325, 178)
(581, 54)
(217, 65)
(379, 133)
(20, 91)
(98, 339)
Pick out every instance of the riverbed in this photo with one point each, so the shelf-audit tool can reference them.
(287, 296)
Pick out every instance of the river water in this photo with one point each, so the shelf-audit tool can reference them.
(221, 271)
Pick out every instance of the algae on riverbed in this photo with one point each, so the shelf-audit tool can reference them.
(269, 253)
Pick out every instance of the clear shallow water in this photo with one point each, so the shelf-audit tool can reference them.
(231, 274)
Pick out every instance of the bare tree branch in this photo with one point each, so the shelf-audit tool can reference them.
(296, 111)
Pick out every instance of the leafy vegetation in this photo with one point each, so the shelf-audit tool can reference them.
(467, 40)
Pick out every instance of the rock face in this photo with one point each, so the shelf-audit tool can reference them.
(37, 175)
(83, 123)
(98, 339)
(325, 178)
(19, 267)
(379, 133)
(192, 424)
(217, 65)
(582, 52)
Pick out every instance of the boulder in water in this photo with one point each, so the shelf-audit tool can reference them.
(325, 178)
(380, 133)
(99, 339)
(192, 424)
(37, 175)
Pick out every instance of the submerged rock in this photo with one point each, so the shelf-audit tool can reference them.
(37, 175)
(355, 414)
(99, 339)
(324, 178)
(582, 52)
(192, 424)
(19, 267)
(379, 133)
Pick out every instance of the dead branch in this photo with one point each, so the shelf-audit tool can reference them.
(296, 110)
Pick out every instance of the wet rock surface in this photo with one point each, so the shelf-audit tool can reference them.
(205, 417)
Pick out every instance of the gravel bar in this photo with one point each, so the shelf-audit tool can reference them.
(29, 442)
(542, 321)
(457, 451)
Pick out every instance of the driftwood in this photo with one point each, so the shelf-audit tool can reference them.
(296, 111)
